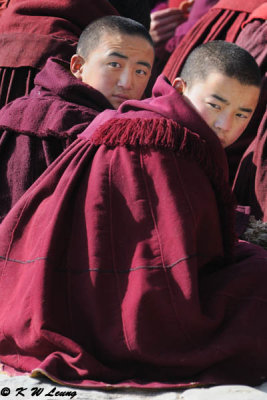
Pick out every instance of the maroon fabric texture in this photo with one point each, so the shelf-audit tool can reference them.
(250, 184)
(224, 21)
(258, 13)
(253, 39)
(35, 129)
(199, 8)
(164, 50)
(112, 266)
(32, 31)
(260, 160)
(221, 22)
(15, 82)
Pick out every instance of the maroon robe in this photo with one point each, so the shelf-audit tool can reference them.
(225, 21)
(260, 160)
(250, 184)
(199, 8)
(115, 265)
(35, 129)
(31, 31)
(165, 49)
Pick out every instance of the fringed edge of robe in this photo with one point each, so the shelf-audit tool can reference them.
(162, 133)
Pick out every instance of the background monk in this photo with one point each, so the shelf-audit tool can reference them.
(119, 265)
(250, 185)
(226, 21)
(32, 31)
(169, 24)
(112, 64)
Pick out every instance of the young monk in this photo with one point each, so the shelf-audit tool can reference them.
(119, 265)
(226, 20)
(225, 98)
(112, 64)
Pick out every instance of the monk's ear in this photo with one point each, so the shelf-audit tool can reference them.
(179, 84)
(76, 66)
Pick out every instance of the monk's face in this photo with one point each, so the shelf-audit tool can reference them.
(225, 104)
(119, 67)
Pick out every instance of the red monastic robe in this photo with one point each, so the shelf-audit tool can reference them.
(119, 266)
(31, 31)
(35, 129)
(223, 21)
(250, 185)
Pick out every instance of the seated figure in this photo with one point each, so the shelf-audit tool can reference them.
(227, 20)
(112, 64)
(120, 266)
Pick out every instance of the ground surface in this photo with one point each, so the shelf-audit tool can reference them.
(28, 388)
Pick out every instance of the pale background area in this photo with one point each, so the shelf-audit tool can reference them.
(231, 392)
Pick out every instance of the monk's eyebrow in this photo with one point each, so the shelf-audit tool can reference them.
(244, 109)
(248, 110)
(119, 55)
(146, 64)
(216, 96)
(116, 54)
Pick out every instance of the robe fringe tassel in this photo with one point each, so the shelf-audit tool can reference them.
(163, 133)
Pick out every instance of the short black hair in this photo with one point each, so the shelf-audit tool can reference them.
(92, 34)
(224, 57)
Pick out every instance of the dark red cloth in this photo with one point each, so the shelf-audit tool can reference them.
(15, 82)
(253, 39)
(35, 129)
(250, 184)
(164, 50)
(258, 13)
(260, 160)
(224, 21)
(112, 267)
(31, 31)
(199, 8)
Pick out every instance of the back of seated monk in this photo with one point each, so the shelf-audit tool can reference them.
(35, 129)
(119, 265)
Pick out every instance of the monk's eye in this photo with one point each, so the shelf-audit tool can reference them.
(141, 72)
(213, 105)
(114, 64)
(241, 115)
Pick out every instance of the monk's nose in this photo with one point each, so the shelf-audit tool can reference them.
(223, 122)
(126, 79)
